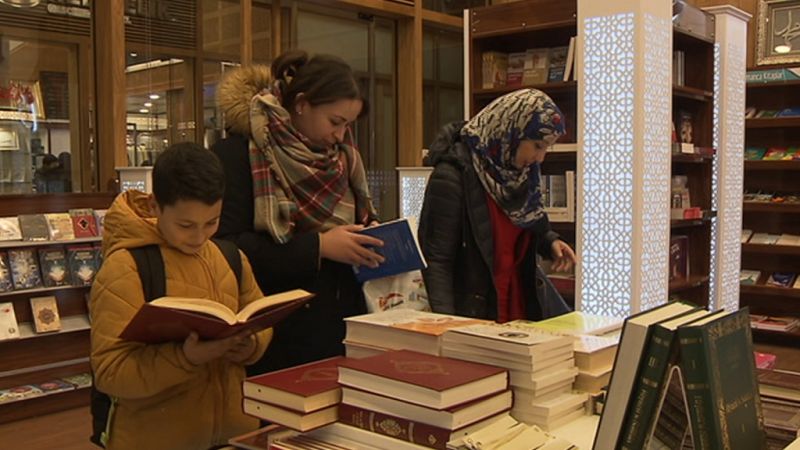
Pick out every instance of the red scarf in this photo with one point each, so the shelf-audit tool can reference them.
(511, 244)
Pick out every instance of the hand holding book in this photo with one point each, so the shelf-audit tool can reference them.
(236, 348)
(345, 244)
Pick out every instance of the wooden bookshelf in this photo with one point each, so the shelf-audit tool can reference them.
(39, 357)
(765, 207)
(773, 122)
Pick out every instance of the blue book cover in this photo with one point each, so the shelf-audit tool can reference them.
(400, 250)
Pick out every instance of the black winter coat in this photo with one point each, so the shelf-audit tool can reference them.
(316, 331)
(455, 233)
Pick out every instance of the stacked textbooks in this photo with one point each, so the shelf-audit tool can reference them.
(301, 398)
(399, 329)
(421, 398)
(780, 400)
(541, 369)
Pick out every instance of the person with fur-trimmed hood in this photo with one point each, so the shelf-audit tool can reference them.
(297, 194)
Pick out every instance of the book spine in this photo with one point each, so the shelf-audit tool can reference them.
(395, 427)
(695, 367)
(648, 386)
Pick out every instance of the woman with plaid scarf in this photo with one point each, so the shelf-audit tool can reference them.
(482, 221)
(296, 193)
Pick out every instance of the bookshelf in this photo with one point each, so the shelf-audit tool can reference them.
(779, 177)
(693, 97)
(37, 358)
(513, 28)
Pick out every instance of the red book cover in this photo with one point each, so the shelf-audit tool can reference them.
(155, 324)
(304, 388)
(83, 222)
(431, 372)
(396, 427)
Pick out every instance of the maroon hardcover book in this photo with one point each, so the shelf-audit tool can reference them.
(83, 222)
(303, 388)
(154, 324)
(433, 381)
(404, 429)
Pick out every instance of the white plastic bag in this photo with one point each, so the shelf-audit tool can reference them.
(405, 290)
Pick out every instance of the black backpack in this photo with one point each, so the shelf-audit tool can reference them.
(150, 266)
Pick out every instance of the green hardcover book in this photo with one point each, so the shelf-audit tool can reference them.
(651, 380)
(725, 409)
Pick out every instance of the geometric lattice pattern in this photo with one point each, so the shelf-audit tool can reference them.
(656, 157)
(412, 192)
(607, 156)
(731, 176)
(715, 173)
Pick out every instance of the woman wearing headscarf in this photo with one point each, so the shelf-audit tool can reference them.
(482, 219)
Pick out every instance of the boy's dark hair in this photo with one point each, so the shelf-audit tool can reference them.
(187, 171)
(321, 79)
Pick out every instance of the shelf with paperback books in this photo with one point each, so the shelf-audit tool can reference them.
(692, 166)
(30, 357)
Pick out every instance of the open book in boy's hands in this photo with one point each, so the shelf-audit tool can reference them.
(169, 319)
(400, 251)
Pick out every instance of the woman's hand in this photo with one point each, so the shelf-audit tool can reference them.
(564, 258)
(343, 244)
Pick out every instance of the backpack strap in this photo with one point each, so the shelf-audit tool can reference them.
(231, 253)
(150, 265)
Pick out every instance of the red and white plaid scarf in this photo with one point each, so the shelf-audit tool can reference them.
(297, 187)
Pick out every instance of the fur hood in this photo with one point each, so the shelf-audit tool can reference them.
(235, 92)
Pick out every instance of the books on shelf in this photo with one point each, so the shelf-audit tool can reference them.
(304, 388)
(788, 239)
(9, 328)
(774, 323)
(400, 250)
(6, 283)
(82, 262)
(398, 329)
(9, 229)
(173, 318)
(59, 226)
(779, 75)
(764, 238)
(779, 384)
(24, 267)
(494, 68)
(45, 314)
(53, 264)
(749, 277)
(34, 227)
(558, 196)
(678, 258)
(83, 222)
(17, 393)
(781, 279)
(746, 235)
(427, 380)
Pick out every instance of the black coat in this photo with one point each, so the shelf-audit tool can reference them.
(455, 233)
(311, 333)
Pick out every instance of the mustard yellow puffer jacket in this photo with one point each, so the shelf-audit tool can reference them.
(162, 400)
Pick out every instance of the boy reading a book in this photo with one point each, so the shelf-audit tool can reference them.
(176, 395)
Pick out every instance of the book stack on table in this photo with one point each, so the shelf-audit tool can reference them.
(541, 369)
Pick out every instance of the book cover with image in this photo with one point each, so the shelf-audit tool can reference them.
(24, 269)
(53, 262)
(9, 328)
(781, 279)
(34, 227)
(82, 264)
(9, 229)
(6, 283)
(59, 226)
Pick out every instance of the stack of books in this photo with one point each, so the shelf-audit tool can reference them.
(541, 368)
(301, 398)
(780, 401)
(399, 329)
(420, 398)
(595, 341)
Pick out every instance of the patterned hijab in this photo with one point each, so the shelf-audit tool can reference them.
(299, 187)
(493, 136)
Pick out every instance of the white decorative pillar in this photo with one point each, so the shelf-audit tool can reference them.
(412, 182)
(624, 108)
(730, 52)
